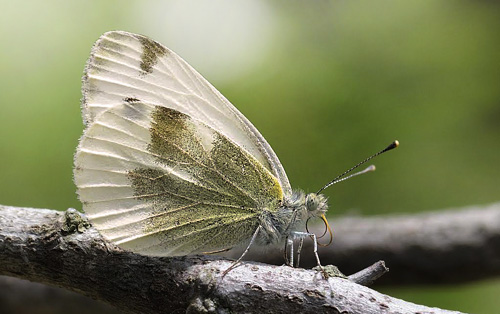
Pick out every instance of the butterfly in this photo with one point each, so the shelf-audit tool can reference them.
(167, 166)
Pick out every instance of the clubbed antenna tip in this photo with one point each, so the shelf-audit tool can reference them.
(391, 146)
(342, 177)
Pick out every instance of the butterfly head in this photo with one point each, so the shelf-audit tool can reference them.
(316, 204)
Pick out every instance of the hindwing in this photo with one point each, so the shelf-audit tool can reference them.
(160, 182)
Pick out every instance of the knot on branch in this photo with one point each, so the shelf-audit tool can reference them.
(73, 221)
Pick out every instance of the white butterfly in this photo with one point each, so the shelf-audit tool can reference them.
(167, 166)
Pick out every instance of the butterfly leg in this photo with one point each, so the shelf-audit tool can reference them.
(299, 249)
(289, 243)
(216, 252)
(285, 253)
(244, 252)
(302, 235)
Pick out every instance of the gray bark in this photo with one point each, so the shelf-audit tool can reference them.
(60, 249)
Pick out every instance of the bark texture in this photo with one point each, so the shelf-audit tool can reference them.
(61, 249)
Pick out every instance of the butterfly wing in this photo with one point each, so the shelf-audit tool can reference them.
(159, 182)
(129, 66)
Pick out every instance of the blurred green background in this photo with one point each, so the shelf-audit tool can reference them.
(326, 82)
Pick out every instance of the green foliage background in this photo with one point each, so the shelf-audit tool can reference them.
(338, 80)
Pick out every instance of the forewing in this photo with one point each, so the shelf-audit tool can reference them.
(156, 181)
(129, 66)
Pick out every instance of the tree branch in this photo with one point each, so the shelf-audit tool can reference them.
(46, 246)
(368, 275)
(437, 247)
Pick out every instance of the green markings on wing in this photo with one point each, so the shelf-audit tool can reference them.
(208, 193)
(151, 52)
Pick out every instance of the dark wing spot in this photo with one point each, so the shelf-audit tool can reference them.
(131, 100)
(151, 52)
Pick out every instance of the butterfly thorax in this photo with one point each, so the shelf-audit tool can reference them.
(291, 216)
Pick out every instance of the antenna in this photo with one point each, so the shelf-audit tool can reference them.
(341, 178)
